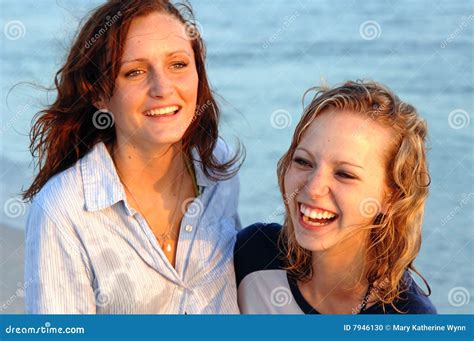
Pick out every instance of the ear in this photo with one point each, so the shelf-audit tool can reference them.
(101, 104)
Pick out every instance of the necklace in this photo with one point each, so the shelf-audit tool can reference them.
(165, 238)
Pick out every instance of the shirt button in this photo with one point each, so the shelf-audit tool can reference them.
(188, 228)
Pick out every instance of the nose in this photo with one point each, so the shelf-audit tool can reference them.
(317, 184)
(160, 84)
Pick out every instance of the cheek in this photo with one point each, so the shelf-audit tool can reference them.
(188, 84)
(290, 185)
(121, 100)
(294, 182)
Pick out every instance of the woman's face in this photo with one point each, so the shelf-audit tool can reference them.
(155, 93)
(336, 181)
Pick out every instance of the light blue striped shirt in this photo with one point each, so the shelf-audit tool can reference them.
(88, 251)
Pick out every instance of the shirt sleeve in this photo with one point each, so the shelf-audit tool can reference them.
(57, 278)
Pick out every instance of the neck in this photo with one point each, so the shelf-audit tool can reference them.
(339, 271)
(145, 169)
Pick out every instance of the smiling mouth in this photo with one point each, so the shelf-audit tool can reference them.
(163, 112)
(316, 217)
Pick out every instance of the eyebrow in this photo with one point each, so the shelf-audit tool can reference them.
(337, 162)
(169, 54)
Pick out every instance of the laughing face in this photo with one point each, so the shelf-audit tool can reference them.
(337, 180)
(155, 93)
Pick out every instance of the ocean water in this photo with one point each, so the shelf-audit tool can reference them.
(262, 56)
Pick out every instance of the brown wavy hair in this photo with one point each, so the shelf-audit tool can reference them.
(394, 237)
(64, 132)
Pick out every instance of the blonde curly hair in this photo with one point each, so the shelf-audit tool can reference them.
(394, 237)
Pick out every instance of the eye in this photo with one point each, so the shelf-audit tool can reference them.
(345, 175)
(179, 65)
(134, 73)
(301, 162)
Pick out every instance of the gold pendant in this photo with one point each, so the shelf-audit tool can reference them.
(168, 247)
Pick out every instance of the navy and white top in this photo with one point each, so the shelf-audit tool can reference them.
(88, 251)
(264, 287)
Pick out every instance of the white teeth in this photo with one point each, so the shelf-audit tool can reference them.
(313, 223)
(315, 214)
(161, 111)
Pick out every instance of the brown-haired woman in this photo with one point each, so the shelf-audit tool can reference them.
(134, 208)
(354, 182)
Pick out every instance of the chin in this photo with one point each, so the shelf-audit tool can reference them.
(312, 244)
(166, 138)
(310, 241)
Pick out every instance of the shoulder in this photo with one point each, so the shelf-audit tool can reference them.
(61, 192)
(257, 249)
(411, 301)
(414, 300)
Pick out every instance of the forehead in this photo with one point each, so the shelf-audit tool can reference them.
(154, 32)
(346, 134)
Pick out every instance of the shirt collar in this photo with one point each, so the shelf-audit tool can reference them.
(102, 185)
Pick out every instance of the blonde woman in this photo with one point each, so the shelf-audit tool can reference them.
(354, 182)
